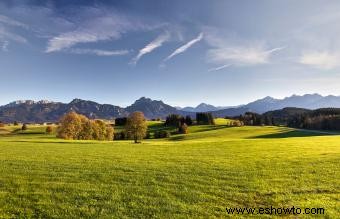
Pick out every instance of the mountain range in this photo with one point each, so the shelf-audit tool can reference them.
(29, 111)
(203, 107)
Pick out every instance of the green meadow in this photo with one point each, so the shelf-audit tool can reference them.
(197, 175)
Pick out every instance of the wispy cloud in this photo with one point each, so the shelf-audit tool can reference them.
(158, 42)
(4, 46)
(242, 55)
(185, 47)
(219, 68)
(321, 60)
(7, 35)
(106, 28)
(99, 25)
(98, 52)
(9, 21)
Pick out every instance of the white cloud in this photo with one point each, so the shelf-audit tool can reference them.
(251, 55)
(320, 60)
(219, 68)
(99, 52)
(158, 42)
(102, 26)
(185, 46)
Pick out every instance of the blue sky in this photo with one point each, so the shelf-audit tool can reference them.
(182, 52)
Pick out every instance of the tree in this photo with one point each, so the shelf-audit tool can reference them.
(76, 126)
(188, 120)
(174, 120)
(24, 127)
(136, 126)
(71, 126)
(49, 129)
(15, 123)
(205, 118)
(183, 129)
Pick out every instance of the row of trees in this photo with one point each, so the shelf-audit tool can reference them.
(176, 120)
(205, 118)
(321, 119)
(78, 127)
(320, 122)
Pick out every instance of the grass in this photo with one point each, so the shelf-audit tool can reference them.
(187, 176)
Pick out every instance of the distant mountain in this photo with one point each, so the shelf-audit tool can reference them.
(307, 101)
(47, 111)
(29, 111)
(203, 107)
(152, 108)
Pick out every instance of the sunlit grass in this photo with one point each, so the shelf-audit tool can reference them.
(194, 175)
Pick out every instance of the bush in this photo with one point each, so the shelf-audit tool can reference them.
(24, 127)
(49, 129)
(183, 129)
(15, 123)
(237, 123)
(120, 136)
(162, 134)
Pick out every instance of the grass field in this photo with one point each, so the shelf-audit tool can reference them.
(187, 176)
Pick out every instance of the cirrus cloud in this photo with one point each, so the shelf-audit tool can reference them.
(185, 47)
(98, 25)
(98, 52)
(321, 60)
(241, 55)
(158, 42)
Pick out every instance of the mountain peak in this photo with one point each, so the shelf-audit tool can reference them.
(151, 108)
(203, 105)
(143, 100)
(77, 100)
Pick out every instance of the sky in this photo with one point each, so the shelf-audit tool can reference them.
(181, 52)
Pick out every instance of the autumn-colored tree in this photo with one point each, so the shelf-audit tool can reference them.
(49, 129)
(76, 126)
(71, 126)
(109, 133)
(183, 129)
(103, 131)
(136, 126)
(88, 131)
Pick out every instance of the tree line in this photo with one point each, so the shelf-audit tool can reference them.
(320, 119)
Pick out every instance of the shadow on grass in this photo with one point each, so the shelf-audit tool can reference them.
(211, 128)
(177, 138)
(291, 134)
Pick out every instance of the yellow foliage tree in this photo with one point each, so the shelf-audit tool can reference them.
(136, 126)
